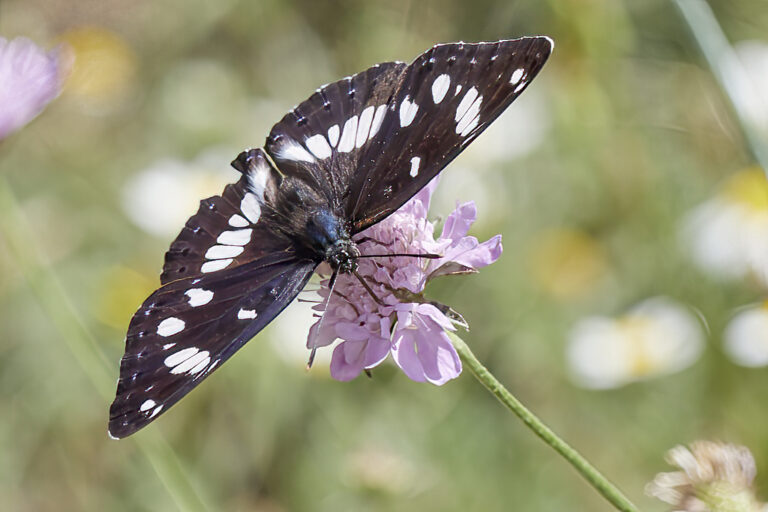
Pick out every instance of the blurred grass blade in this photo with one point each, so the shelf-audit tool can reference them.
(58, 307)
(729, 72)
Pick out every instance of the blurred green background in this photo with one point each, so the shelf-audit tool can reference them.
(589, 177)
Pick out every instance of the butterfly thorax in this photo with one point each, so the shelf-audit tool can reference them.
(330, 236)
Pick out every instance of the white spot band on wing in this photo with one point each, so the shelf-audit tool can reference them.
(333, 135)
(347, 142)
(440, 88)
(319, 146)
(198, 296)
(246, 314)
(235, 237)
(218, 252)
(415, 161)
(214, 265)
(408, 111)
(250, 207)
(170, 326)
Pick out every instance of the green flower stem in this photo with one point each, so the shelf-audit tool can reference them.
(728, 71)
(58, 307)
(609, 491)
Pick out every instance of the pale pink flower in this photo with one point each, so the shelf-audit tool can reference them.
(29, 79)
(404, 323)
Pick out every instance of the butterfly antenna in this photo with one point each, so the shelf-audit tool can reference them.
(428, 256)
(331, 284)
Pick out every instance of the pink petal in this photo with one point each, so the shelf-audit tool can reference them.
(459, 221)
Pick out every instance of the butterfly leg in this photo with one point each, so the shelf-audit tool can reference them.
(368, 289)
(331, 284)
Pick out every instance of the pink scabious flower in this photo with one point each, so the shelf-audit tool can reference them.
(29, 79)
(402, 322)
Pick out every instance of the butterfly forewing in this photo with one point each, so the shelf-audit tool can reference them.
(445, 99)
(188, 328)
(322, 138)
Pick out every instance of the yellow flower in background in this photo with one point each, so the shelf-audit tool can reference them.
(713, 477)
(104, 68)
(160, 198)
(567, 263)
(656, 337)
(121, 290)
(746, 337)
(728, 235)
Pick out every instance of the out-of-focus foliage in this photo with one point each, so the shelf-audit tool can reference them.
(591, 177)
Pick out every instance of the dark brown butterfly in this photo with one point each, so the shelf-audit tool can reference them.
(344, 159)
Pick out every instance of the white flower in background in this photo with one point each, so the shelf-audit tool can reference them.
(713, 477)
(728, 235)
(746, 337)
(656, 337)
(160, 198)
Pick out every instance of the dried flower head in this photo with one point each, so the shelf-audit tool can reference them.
(402, 321)
(29, 79)
(713, 477)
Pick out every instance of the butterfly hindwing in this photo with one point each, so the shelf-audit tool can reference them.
(189, 327)
(445, 99)
(229, 229)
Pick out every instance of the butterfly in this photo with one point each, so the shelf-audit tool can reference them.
(337, 163)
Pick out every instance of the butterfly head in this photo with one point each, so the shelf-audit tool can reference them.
(342, 256)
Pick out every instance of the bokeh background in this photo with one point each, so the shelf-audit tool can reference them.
(627, 309)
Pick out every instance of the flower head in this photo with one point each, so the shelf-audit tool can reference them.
(746, 337)
(400, 320)
(656, 337)
(713, 477)
(29, 79)
(728, 234)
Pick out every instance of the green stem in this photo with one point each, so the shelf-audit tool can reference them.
(609, 491)
(58, 307)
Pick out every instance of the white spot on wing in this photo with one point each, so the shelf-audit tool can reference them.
(465, 130)
(333, 135)
(198, 297)
(440, 87)
(170, 326)
(364, 126)
(408, 111)
(319, 146)
(168, 345)
(378, 118)
(471, 116)
(458, 90)
(218, 252)
(347, 142)
(246, 314)
(180, 356)
(520, 86)
(192, 362)
(213, 266)
(465, 103)
(415, 161)
(235, 237)
(156, 411)
(516, 76)
(147, 405)
(250, 207)
(257, 178)
(292, 150)
(238, 221)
